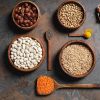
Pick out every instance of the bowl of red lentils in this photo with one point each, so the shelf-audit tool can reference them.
(26, 15)
(71, 14)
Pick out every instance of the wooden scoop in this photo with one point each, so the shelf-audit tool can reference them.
(79, 86)
(87, 34)
(46, 85)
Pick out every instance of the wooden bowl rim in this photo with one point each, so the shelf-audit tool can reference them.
(31, 69)
(91, 50)
(76, 2)
(30, 27)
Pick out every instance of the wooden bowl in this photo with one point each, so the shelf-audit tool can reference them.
(92, 52)
(82, 9)
(30, 27)
(31, 69)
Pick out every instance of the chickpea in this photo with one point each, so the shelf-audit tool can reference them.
(70, 15)
(26, 14)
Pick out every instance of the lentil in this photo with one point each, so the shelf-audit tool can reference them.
(45, 85)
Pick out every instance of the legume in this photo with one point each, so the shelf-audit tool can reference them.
(71, 15)
(45, 85)
(25, 14)
(26, 52)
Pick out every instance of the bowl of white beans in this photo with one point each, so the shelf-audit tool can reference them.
(26, 53)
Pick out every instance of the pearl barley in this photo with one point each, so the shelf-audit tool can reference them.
(26, 52)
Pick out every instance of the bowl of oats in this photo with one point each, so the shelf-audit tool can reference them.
(71, 14)
(26, 53)
(77, 59)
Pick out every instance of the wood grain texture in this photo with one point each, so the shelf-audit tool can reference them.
(49, 36)
(9, 78)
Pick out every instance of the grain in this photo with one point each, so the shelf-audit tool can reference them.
(76, 59)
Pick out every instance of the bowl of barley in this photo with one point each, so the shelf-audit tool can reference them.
(77, 58)
(71, 14)
(26, 53)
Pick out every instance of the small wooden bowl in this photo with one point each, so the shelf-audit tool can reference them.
(92, 52)
(31, 69)
(30, 27)
(74, 2)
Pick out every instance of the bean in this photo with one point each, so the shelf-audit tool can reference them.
(24, 12)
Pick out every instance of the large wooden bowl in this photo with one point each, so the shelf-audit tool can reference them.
(31, 69)
(77, 3)
(30, 27)
(77, 42)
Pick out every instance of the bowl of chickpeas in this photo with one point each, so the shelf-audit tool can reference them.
(71, 14)
(26, 15)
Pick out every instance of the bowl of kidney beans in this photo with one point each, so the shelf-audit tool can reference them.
(26, 15)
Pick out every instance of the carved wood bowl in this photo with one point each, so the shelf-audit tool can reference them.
(89, 48)
(29, 27)
(79, 5)
(30, 69)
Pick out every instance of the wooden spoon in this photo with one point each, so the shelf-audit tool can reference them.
(49, 35)
(87, 34)
(79, 86)
(47, 85)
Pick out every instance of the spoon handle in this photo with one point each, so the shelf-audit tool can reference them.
(81, 86)
(49, 36)
(49, 67)
(75, 35)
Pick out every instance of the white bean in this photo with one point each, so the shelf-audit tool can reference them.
(26, 52)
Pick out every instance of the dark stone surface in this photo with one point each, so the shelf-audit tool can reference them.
(18, 86)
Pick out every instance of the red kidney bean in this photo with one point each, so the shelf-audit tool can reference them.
(19, 17)
(21, 20)
(27, 25)
(29, 14)
(26, 14)
(26, 4)
(16, 16)
(30, 23)
(34, 8)
(26, 10)
(22, 25)
(18, 21)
